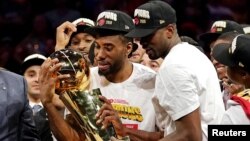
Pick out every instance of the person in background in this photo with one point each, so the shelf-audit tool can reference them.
(76, 35)
(187, 92)
(208, 40)
(16, 118)
(218, 27)
(153, 64)
(136, 56)
(228, 87)
(30, 69)
(236, 56)
(192, 42)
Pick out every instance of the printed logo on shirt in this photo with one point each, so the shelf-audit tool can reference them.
(128, 112)
(131, 126)
(120, 101)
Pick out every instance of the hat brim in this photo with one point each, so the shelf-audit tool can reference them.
(84, 29)
(106, 30)
(221, 54)
(140, 33)
(208, 37)
(29, 63)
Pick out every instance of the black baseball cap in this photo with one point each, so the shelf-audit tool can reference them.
(218, 28)
(151, 16)
(83, 25)
(31, 60)
(114, 21)
(111, 22)
(235, 54)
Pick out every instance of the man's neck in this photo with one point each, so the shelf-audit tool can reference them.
(123, 74)
(176, 40)
(34, 98)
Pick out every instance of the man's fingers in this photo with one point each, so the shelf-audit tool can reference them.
(108, 120)
(104, 99)
(44, 69)
(66, 26)
(105, 106)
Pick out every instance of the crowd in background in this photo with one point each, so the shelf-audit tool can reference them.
(28, 26)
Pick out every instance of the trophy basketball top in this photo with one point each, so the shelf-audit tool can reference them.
(74, 64)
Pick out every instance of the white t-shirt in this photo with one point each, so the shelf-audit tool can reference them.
(131, 98)
(185, 81)
(235, 113)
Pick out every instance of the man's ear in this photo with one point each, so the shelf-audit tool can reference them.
(243, 74)
(129, 48)
(170, 30)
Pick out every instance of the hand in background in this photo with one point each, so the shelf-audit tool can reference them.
(63, 34)
(231, 87)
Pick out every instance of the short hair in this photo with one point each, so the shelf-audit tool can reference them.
(192, 42)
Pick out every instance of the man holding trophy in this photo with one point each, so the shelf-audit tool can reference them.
(126, 88)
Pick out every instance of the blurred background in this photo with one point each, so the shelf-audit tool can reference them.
(28, 26)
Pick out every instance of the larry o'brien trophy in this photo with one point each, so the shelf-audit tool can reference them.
(81, 102)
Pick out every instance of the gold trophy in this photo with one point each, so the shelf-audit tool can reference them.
(75, 94)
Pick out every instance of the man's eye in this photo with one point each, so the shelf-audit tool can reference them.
(75, 43)
(108, 48)
(88, 41)
(31, 75)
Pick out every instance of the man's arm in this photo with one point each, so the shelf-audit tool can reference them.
(179, 98)
(60, 128)
(140, 135)
(47, 80)
(187, 128)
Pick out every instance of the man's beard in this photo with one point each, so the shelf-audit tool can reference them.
(112, 70)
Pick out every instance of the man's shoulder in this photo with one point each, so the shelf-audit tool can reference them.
(10, 75)
(143, 69)
(12, 80)
(142, 74)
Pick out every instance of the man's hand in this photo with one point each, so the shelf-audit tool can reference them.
(231, 87)
(48, 78)
(63, 34)
(107, 115)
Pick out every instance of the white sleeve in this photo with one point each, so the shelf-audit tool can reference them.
(176, 90)
(226, 119)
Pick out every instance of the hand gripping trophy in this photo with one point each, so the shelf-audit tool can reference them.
(73, 91)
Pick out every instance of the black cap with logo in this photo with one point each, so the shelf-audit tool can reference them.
(113, 20)
(218, 28)
(235, 54)
(84, 25)
(151, 16)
